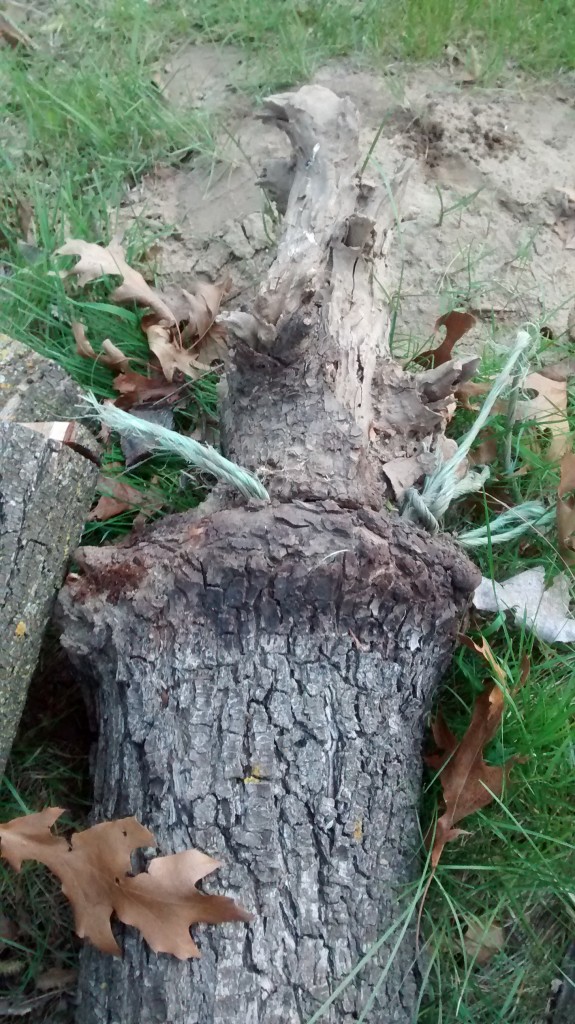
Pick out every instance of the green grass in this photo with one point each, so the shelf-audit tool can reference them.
(40, 775)
(80, 119)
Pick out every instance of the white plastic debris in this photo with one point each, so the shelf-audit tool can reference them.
(545, 612)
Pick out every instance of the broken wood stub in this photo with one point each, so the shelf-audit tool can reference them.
(45, 494)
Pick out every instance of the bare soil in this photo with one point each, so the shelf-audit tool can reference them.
(499, 163)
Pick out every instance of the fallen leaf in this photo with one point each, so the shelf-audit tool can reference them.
(486, 451)
(566, 509)
(110, 355)
(204, 304)
(25, 213)
(549, 410)
(56, 979)
(138, 389)
(121, 497)
(134, 446)
(456, 325)
(95, 869)
(163, 902)
(403, 473)
(14, 35)
(468, 783)
(171, 356)
(485, 651)
(97, 261)
(483, 941)
(471, 389)
(545, 612)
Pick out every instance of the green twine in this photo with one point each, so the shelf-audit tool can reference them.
(531, 515)
(160, 439)
(443, 486)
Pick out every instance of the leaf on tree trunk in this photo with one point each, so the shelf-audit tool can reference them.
(110, 355)
(98, 261)
(456, 325)
(95, 869)
(468, 783)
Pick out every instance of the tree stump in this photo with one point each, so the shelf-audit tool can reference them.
(260, 673)
(45, 494)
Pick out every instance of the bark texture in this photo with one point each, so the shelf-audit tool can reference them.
(45, 493)
(260, 674)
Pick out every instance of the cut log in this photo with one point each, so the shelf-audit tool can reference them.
(260, 674)
(46, 490)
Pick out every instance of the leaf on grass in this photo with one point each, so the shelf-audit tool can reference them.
(55, 979)
(185, 339)
(472, 389)
(456, 325)
(483, 941)
(121, 497)
(137, 389)
(98, 261)
(485, 651)
(566, 508)
(200, 342)
(486, 451)
(134, 446)
(163, 342)
(169, 353)
(110, 355)
(13, 35)
(95, 869)
(468, 783)
(549, 410)
(545, 612)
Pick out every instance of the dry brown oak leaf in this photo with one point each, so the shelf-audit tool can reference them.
(566, 509)
(468, 783)
(118, 497)
(110, 356)
(456, 325)
(99, 261)
(95, 870)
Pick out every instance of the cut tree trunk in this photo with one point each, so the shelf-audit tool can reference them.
(46, 490)
(260, 674)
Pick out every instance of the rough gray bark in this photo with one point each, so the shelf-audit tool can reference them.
(45, 493)
(260, 674)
